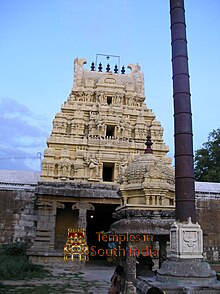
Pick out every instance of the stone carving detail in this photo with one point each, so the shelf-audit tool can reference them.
(65, 153)
(122, 169)
(78, 71)
(190, 241)
(186, 240)
(138, 76)
(49, 152)
(173, 242)
(60, 205)
(64, 168)
(149, 166)
(93, 165)
(151, 179)
(44, 204)
(82, 207)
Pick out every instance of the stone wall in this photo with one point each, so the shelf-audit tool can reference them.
(208, 216)
(17, 215)
(18, 218)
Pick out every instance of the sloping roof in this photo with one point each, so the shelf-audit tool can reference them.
(21, 178)
(17, 178)
(208, 187)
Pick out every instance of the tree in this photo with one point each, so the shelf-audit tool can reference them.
(207, 159)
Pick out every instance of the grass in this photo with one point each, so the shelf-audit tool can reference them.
(19, 267)
(14, 263)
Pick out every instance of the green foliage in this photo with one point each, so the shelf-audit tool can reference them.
(19, 267)
(207, 159)
(14, 249)
(14, 263)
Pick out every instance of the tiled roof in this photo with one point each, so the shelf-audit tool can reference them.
(208, 187)
(18, 179)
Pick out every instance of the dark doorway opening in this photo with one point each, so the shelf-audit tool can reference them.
(108, 172)
(98, 221)
(109, 100)
(110, 131)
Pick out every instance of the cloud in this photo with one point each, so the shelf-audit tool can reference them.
(23, 134)
(11, 106)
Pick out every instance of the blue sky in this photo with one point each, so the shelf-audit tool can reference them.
(40, 39)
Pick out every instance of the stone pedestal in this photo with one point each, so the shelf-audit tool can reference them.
(184, 271)
(186, 240)
(185, 263)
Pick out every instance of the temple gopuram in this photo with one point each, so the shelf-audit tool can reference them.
(100, 129)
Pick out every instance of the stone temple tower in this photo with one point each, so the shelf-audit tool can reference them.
(102, 125)
(100, 129)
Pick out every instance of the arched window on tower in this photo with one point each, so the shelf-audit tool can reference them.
(110, 131)
(56, 171)
(171, 202)
(109, 100)
(108, 171)
(72, 172)
(68, 129)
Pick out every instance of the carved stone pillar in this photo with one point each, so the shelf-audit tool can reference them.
(82, 207)
(162, 251)
(130, 270)
(46, 224)
(52, 221)
(116, 175)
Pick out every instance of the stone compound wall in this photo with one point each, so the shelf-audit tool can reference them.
(18, 219)
(17, 215)
(208, 216)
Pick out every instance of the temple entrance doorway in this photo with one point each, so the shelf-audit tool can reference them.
(65, 219)
(99, 220)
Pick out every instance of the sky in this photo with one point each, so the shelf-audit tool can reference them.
(39, 40)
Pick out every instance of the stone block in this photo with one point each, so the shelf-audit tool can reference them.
(24, 223)
(186, 240)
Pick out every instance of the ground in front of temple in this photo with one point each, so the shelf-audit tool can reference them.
(66, 277)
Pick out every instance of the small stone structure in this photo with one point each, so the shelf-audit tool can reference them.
(147, 193)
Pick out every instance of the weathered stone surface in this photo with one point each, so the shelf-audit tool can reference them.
(142, 284)
(187, 269)
(142, 225)
(130, 213)
(79, 190)
(186, 240)
(17, 215)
